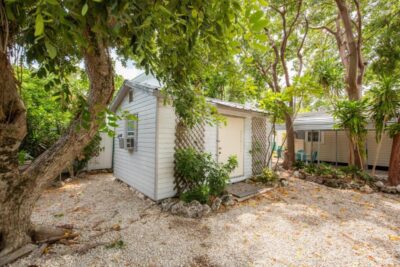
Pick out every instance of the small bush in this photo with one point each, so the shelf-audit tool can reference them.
(218, 175)
(268, 176)
(310, 168)
(355, 172)
(323, 169)
(298, 165)
(200, 193)
(205, 176)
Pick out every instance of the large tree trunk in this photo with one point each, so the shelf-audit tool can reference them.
(350, 51)
(289, 155)
(19, 191)
(14, 221)
(353, 89)
(394, 163)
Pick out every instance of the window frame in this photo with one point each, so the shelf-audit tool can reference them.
(130, 96)
(132, 133)
(318, 134)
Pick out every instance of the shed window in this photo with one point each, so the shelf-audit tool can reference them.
(130, 96)
(300, 135)
(131, 133)
(315, 137)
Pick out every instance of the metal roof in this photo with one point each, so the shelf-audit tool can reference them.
(319, 120)
(152, 85)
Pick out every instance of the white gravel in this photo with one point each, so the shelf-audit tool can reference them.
(305, 224)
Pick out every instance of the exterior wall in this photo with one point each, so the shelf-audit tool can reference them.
(165, 150)
(138, 168)
(104, 159)
(327, 149)
(384, 154)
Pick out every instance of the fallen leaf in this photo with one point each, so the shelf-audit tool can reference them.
(394, 238)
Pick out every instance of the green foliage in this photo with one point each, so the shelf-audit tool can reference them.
(175, 40)
(355, 172)
(393, 129)
(352, 117)
(326, 169)
(200, 193)
(267, 176)
(47, 118)
(322, 169)
(203, 173)
(299, 164)
(218, 175)
(119, 244)
(93, 149)
(384, 103)
(329, 73)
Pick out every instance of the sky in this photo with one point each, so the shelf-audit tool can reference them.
(129, 72)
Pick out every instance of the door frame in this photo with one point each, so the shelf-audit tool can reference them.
(243, 140)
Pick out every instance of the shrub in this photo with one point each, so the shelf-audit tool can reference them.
(310, 168)
(202, 173)
(298, 165)
(322, 169)
(219, 175)
(200, 193)
(267, 176)
(355, 172)
(192, 165)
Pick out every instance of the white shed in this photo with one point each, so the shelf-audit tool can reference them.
(143, 154)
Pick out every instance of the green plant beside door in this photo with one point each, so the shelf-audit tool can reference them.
(206, 177)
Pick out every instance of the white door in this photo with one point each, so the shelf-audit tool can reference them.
(230, 142)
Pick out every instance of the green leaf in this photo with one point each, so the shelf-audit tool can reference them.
(9, 13)
(259, 25)
(256, 16)
(51, 50)
(52, 2)
(39, 25)
(85, 9)
(194, 13)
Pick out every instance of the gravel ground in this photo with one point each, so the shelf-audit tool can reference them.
(303, 224)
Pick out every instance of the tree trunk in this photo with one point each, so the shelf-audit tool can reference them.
(353, 63)
(353, 89)
(289, 155)
(19, 191)
(14, 221)
(394, 163)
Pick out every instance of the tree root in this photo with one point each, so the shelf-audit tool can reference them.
(8, 258)
(47, 235)
(88, 246)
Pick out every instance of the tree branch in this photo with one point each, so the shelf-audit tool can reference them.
(299, 53)
(100, 73)
(323, 28)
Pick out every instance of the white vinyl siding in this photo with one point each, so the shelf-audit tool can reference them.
(137, 168)
(165, 150)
